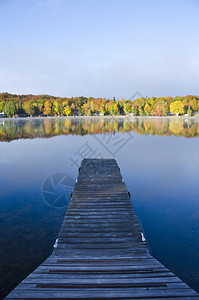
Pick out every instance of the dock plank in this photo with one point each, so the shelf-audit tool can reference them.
(100, 253)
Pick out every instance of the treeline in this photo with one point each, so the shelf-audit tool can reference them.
(47, 105)
(45, 128)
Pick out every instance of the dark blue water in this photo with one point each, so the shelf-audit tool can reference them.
(161, 171)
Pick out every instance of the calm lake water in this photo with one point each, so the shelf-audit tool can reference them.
(39, 160)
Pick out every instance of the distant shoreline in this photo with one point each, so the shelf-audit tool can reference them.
(102, 117)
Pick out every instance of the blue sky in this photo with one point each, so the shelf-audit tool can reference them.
(99, 48)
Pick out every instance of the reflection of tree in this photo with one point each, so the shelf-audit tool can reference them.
(48, 127)
(176, 126)
(11, 130)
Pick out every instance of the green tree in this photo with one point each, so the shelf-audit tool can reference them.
(1, 106)
(72, 107)
(189, 111)
(10, 108)
(165, 108)
(40, 105)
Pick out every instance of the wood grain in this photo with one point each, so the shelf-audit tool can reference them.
(100, 252)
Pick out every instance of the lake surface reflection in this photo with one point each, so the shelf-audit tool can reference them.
(159, 160)
(32, 128)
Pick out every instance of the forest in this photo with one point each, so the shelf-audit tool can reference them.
(45, 105)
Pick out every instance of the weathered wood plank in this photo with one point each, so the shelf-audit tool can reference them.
(100, 253)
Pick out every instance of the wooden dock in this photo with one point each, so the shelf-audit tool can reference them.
(100, 252)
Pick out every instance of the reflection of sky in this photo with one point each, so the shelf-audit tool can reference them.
(161, 173)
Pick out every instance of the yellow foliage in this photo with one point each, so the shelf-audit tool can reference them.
(176, 126)
(67, 110)
(177, 107)
(147, 109)
(47, 108)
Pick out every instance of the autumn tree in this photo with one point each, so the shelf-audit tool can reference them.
(47, 108)
(58, 108)
(85, 109)
(165, 108)
(102, 107)
(177, 107)
(147, 109)
(135, 110)
(158, 110)
(29, 108)
(153, 103)
(141, 111)
(194, 105)
(67, 110)
(127, 107)
(113, 108)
